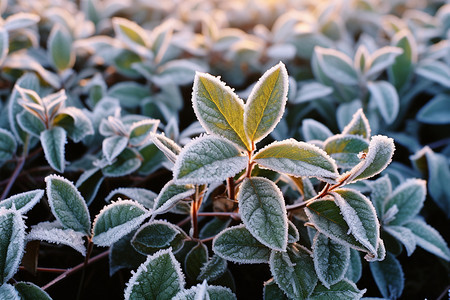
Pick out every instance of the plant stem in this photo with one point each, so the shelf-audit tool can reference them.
(219, 214)
(83, 273)
(46, 270)
(230, 188)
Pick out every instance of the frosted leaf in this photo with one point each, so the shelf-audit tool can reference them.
(293, 234)
(53, 232)
(344, 149)
(403, 235)
(8, 292)
(126, 163)
(344, 289)
(30, 291)
(75, 122)
(298, 159)
(336, 65)
(140, 195)
(388, 275)
(212, 293)
(133, 36)
(53, 142)
(208, 159)
(170, 195)
(140, 131)
(8, 144)
(159, 277)
(385, 97)
(167, 146)
(389, 215)
(359, 125)
(114, 145)
(23, 202)
(354, 270)
(195, 259)
(236, 244)
(262, 209)
(20, 20)
(116, 220)
(311, 91)
(213, 269)
(382, 58)
(314, 130)
(381, 190)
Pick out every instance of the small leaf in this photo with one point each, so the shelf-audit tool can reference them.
(12, 237)
(8, 292)
(129, 93)
(263, 212)
(208, 159)
(167, 146)
(385, 97)
(140, 195)
(401, 70)
(409, 198)
(381, 190)
(114, 145)
(204, 291)
(53, 142)
(194, 260)
(388, 275)
(159, 277)
(331, 259)
(126, 163)
(75, 122)
(140, 131)
(272, 291)
(30, 291)
(344, 149)
(169, 196)
(67, 204)
(236, 244)
(428, 238)
(133, 36)
(359, 125)
(293, 234)
(314, 130)
(219, 109)
(8, 145)
(435, 71)
(382, 58)
(59, 45)
(177, 71)
(297, 159)
(354, 270)
(336, 65)
(89, 183)
(403, 235)
(29, 123)
(23, 202)
(311, 91)
(123, 255)
(116, 220)
(265, 105)
(344, 289)
(436, 110)
(293, 273)
(213, 269)
(213, 227)
(20, 20)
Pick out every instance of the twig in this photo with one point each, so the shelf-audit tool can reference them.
(219, 214)
(46, 270)
(444, 293)
(83, 274)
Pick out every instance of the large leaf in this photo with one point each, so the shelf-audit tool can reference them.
(67, 204)
(263, 212)
(385, 97)
(298, 159)
(237, 244)
(116, 220)
(159, 278)
(344, 149)
(20, 20)
(409, 198)
(53, 142)
(436, 110)
(336, 65)
(265, 105)
(388, 275)
(344, 289)
(23, 202)
(208, 159)
(169, 195)
(30, 291)
(59, 45)
(8, 145)
(219, 109)
(12, 243)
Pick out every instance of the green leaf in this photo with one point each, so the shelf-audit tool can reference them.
(12, 242)
(409, 198)
(382, 58)
(30, 123)
(20, 20)
(59, 45)
(159, 278)
(359, 125)
(343, 290)
(170, 195)
(53, 142)
(436, 110)
(381, 190)
(140, 131)
(4, 44)
(428, 238)
(177, 71)
(116, 220)
(344, 149)
(293, 234)
(157, 235)
(294, 272)
(142, 196)
(8, 145)
(403, 235)
(265, 105)
(167, 146)
(89, 183)
(435, 71)
(75, 122)
(314, 130)
(123, 255)
(194, 260)
(354, 270)
(336, 65)
(219, 109)
(379, 155)
(360, 216)
(67, 204)
(204, 291)
(311, 91)
(262, 209)
(297, 159)
(23, 202)
(133, 36)
(30, 291)
(272, 291)
(208, 159)
(213, 227)
(401, 70)
(238, 245)
(325, 251)
(114, 145)
(127, 162)
(213, 269)
(129, 93)
(153, 159)
(385, 97)
(388, 275)
(8, 292)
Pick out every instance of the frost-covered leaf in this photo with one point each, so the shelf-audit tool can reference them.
(293, 234)
(114, 145)
(311, 91)
(382, 58)
(123, 255)
(263, 212)
(159, 277)
(428, 238)
(156, 235)
(23, 202)
(30, 123)
(59, 45)
(67, 204)
(208, 159)
(213, 227)
(8, 292)
(126, 163)
(53, 232)
(381, 190)
(133, 36)
(238, 245)
(30, 291)
(379, 155)
(203, 292)
(167, 146)
(354, 270)
(359, 125)
(272, 291)
(177, 71)
(129, 93)
(403, 235)
(265, 105)
(8, 145)
(409, 198)
(75, 122)
(344, 289)
(116, 220)
(169, 195)
(12, 242)
(385, 97)
(388, 275)
(336, 65)
(143, 196)
(297, 159)
(89, 183)
(152, 159)
(213, 269)
(293, 271)
(344, 149)
(194, 261)
(219, 109)
(401, 70)
(4, 44)
(360, 216)
(435, 71)
(140, 131)
(331, 259)
(314, 130)
(53, 142)
(436, 110)
(20, 20)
